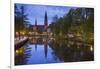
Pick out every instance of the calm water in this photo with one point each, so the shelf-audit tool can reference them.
(43, 51)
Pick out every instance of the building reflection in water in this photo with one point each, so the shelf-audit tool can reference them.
(44, 50)
(45, 47)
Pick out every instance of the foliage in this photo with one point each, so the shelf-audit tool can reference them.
(21, 20)
(79, 22)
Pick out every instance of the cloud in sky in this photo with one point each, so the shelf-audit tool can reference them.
(38, 12)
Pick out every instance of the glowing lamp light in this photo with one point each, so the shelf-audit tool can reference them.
(17, 51)
(23, 33)
(16, 33)
(30, 32)
(21, 51)
(91, 48)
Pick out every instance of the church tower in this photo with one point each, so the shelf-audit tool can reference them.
(35, 26)
(45, 22)
(35, 22)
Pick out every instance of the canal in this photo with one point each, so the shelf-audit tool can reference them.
(44, 50)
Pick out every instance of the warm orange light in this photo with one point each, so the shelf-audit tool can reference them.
(30, 32)
(23, 33)
(16, 33)
(17, 51)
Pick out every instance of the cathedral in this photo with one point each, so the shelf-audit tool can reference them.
(41, 28)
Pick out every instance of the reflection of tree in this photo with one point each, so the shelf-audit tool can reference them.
(73, 52)
(19, 56)
(22, 55)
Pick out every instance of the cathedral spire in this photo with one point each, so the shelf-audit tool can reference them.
(35, 22)
(45, 21)
(35, 25)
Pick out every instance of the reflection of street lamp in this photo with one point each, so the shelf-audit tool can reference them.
(17, 51)
(91, 48)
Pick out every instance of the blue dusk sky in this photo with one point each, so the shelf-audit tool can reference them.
(38, 12)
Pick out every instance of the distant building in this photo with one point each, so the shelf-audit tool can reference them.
(41, 28)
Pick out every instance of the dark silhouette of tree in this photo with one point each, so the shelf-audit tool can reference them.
(21, 20)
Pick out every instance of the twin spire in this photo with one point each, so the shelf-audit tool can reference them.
(45, 20)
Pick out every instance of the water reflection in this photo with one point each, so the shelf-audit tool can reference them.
(45, 50)
(72, 51)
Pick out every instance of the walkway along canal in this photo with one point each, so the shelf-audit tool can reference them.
(19, 43)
